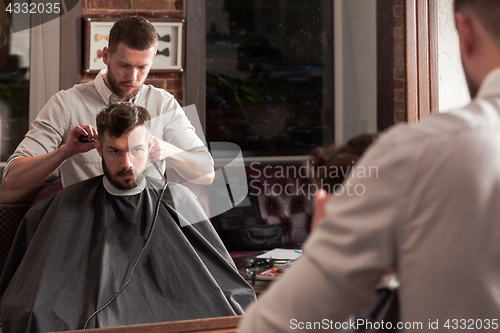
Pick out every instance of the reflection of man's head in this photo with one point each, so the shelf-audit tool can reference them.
(331, 165)
(486, 12)
(123, 143)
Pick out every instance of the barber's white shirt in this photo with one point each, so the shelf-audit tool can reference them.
(431, 212)
(80, 105)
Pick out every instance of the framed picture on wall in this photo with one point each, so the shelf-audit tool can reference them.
(169, 56)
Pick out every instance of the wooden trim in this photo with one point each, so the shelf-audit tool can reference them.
(212, 325)
(148, 14)
(70, 48)
(195, 72)
(423, 58)
(411, 61)
(422, 74)
(433, 55)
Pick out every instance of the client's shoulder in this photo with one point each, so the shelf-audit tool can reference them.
(80, 190)
(84, 184)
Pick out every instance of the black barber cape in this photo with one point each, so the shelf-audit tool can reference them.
(74, 251)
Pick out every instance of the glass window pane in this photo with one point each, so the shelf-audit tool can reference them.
(14, 83)
(267, 87)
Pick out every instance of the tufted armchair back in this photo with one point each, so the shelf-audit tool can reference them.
(285, 197)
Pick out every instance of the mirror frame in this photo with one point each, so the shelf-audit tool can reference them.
(422, 73)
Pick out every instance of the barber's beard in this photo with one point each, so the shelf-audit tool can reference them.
(115, 87)
(119, 184)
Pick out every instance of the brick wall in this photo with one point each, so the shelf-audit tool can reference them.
(172, 82)
(399, 63)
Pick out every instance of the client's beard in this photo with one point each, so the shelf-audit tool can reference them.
(112, 179)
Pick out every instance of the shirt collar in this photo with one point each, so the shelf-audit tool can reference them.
(490, 85)
(106, 94)
(101, 87)
(119, 193)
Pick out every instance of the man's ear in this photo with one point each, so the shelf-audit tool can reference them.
(466, 33)
(98, 146)
(105, 55)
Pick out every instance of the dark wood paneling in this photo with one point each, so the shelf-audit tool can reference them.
(195, 70)
(385, 64)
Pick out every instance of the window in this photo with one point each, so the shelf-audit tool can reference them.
(29, 74)
(269, 84)
(14, 83)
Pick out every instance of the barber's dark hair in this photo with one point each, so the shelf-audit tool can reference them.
(135, 32)
(487, 11)
(330, 164)
(120, 119)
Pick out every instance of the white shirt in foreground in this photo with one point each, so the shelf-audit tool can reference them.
(431, 212)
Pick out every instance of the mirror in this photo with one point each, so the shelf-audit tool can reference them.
(284, 76)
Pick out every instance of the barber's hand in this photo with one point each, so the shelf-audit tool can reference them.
(160, 150)
(73, 146)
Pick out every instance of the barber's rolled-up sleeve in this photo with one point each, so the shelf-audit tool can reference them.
(345, 257)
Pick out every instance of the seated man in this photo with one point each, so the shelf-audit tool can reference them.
(109, 252)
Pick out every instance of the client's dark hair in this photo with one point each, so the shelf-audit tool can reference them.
(487, 11)
(135, 32)
(120, 119)
(330, 164)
